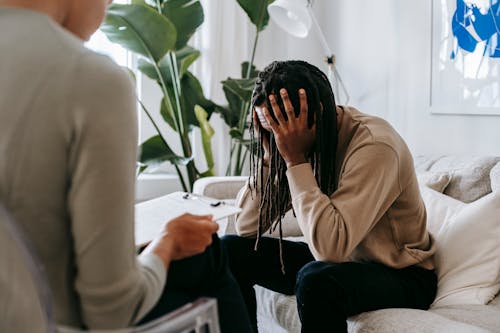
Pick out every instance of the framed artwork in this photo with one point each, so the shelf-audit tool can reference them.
(465, 74)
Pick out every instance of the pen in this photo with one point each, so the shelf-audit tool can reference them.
(202, 198)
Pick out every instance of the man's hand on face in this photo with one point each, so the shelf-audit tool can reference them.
(265, 141)
(294, 138)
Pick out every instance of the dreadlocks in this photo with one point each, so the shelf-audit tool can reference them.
(274, 191)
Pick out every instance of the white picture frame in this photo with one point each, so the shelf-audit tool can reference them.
(465, 64)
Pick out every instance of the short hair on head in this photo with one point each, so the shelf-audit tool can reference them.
(293, 75)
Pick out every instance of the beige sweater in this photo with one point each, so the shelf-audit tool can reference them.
(376, 213)
(68, 141)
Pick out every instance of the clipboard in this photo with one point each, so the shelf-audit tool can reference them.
(151, 216)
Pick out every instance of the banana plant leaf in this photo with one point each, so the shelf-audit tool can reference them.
(185, 58)
(140, 29)
(256, 11)
(186, 15)
(238, 92)
(242, 88)
(130, 73)
(207, 132)
(235, 133)
(231, 113)
(151, 3)
(244, 70)
(155, 151)
(192, 94)
(166, 114)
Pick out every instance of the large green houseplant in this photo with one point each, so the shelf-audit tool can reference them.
(239, 91)
(158, 32)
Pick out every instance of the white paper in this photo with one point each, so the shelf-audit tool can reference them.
(151, 216)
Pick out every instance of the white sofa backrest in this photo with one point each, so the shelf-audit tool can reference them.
(470, 175)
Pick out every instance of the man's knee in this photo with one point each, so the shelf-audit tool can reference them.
(237, 247)
(231, 241)
(316, 280)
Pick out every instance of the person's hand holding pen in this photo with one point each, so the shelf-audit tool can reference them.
(184, 236)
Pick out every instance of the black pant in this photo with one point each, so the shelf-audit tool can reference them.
(327, 293)
(208, 275)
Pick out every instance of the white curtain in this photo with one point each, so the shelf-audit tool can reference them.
(224, 40)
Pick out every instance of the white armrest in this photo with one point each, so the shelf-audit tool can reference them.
(223, 188)
(226, 188)
(220, 187)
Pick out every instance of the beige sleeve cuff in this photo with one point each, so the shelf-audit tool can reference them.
(154, 277)
(301, 179)
(247, 222)
(154, 264)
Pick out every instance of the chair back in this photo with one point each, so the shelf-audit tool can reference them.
(200, 316)
(25, 300)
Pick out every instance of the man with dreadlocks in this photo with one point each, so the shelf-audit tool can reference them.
(350, 180)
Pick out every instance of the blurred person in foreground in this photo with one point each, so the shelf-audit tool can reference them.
(68, 141)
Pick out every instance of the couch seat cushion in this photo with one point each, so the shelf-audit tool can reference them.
(278, 313)
(484, 316)
(407, 320)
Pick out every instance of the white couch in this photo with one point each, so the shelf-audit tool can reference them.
(472, 177)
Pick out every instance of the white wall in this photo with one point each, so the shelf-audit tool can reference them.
(383, 51)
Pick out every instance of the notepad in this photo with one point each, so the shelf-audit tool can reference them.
(151, 216)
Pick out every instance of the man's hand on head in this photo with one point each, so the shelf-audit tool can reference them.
(294, 138)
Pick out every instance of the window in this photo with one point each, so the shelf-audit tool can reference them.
(100, 43)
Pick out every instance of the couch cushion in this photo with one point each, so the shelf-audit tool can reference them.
(495, 178)
(440, 208)
(470, 174)
(277, 313)
(280, 309)
(438, 181)
(407, 320)
(495, 302)
(484, 316)
(468, 248)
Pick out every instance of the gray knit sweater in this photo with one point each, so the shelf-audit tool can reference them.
(68, 141)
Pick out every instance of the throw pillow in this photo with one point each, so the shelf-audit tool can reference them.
(468, 252)
(470, 175)
(440, 208)
(435, 180)
(495, 178)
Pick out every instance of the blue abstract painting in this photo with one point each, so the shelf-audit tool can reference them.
(465, 75)
(476, 22)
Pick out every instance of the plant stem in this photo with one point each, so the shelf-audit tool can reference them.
(177, 121)
(183, 183)
(244, 111)
(230, 164)
(181, 177)
(180, 115)
(249, 69)
(240, 162)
